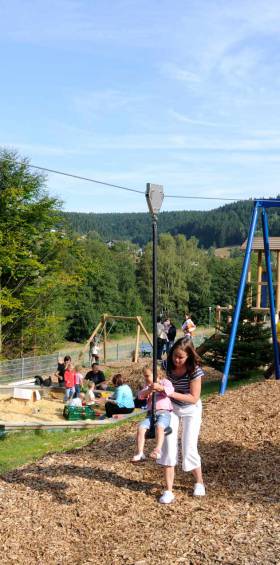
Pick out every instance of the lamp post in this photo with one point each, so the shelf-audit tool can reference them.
(154, 197)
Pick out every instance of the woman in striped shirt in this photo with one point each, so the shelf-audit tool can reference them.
(184, 372)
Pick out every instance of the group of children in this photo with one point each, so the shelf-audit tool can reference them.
(74, 382)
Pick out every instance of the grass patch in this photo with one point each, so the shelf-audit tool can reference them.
(213, 387)
(21, 448)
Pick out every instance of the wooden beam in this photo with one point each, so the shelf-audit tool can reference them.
(249, 282)
(144, 330)
(259, 280)
(108, 317)
(278, 283)
(137, 343)
(105, 339)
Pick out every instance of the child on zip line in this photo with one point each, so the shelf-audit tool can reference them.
(163, 413)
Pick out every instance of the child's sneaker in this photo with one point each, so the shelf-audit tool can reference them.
(167, 497)
(138, 458)
(199, 489)
(156, 454)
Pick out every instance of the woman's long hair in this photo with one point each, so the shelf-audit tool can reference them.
(193, 359)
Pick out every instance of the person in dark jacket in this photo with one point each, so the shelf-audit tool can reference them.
(171, 335)
(97, 377)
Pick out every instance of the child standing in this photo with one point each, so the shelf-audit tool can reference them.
(78, 380)
(69, 381)
(163, 413)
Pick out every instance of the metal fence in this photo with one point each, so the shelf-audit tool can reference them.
(27, 367)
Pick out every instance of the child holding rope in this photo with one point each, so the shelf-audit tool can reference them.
(163, 413)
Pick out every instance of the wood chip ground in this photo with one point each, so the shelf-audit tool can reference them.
(92, 506)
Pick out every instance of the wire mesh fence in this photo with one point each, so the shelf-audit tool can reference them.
(14, 370)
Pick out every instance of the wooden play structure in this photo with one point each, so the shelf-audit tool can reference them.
(261, 283)
(101, 328)
(259, 304)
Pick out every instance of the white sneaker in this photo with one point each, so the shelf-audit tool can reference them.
(138, 458)
(199, 489)
(167, 497)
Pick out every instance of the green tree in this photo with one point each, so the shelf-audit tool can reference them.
(32, 236)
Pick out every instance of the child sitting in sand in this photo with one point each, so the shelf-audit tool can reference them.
(163, 413)
(90, 396)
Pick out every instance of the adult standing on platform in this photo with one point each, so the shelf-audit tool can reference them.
(184, 372)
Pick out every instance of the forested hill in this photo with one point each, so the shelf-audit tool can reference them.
(227, 225)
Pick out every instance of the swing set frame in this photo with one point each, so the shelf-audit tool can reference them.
(259, 205)
(102, 327)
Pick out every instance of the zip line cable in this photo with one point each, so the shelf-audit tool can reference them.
(108, 184)
(78, 177)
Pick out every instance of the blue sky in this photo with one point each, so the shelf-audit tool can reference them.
(181, 93)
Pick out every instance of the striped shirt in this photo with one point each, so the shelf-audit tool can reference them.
(182, 384)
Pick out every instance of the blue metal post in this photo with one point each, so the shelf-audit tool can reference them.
(270, 291)
(239, 297)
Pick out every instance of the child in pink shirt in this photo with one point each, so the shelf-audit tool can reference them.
(78, 380)
(163, 413)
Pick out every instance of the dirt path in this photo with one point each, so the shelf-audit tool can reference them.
(92, 506)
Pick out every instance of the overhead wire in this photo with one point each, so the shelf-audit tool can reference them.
(120, 187)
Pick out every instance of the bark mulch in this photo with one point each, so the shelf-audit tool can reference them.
(93, 506)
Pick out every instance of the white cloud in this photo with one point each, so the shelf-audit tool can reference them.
(181, 74)
(187, 120)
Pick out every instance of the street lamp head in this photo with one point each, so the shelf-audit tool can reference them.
(154, 197)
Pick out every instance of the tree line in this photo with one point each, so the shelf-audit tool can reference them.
(56, 282)
(224, 226)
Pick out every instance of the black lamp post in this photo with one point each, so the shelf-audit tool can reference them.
(154, 196)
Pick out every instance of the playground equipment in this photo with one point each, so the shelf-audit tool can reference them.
(261, 294)
(263, 205)
(102, 328)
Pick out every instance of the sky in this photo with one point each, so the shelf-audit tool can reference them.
(182, 93)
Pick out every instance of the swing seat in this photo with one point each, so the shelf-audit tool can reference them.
(150, 434)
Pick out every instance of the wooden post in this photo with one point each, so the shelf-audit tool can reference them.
(145, 331)
(278, 283)
(0, 314)
(218, 318)
(229, 314)
(249, 282)
(259, 280)
(104, 340)
(137, 342)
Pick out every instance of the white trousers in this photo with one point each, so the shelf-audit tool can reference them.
(190, 418)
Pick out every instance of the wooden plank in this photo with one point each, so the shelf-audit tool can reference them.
(137, 342)
(259, 280)
(145, 331)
